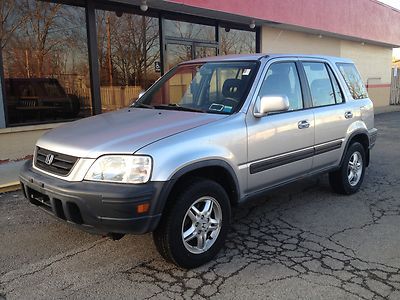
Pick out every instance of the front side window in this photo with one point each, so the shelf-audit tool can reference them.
(219, 87)
(320, 84)
(353, 80)
(282, 79)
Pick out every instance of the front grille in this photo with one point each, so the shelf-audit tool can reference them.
(60, 165)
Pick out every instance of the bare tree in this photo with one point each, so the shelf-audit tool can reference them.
(134, 47)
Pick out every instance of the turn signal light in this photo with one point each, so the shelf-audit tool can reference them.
(142, 208)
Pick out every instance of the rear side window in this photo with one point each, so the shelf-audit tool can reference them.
(353, 80)
(282, 79)
(338, 92)
(319, 81)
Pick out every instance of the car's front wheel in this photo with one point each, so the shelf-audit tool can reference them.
(194, 226)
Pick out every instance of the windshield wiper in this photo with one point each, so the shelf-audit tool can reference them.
(142, 105)
(173, 106)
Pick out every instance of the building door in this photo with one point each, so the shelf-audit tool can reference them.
(178, 51)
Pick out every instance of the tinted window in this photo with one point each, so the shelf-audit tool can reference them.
(282, 79)
(320, 83)
(234, 41)
(353, 81)
(188, 30)
(45, 61)
(128, 51)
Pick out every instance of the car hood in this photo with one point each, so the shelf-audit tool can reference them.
(124, 131)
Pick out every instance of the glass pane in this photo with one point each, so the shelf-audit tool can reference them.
(320, 84)
(189, 30)
(353, 81)
(177, 53)
(234, 41)
(338, 93)
(204, 51)
(282, 79)
(208, 87)
(46, 66)
(129, 56)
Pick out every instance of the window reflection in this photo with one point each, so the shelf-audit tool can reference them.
(234, 41)
(45, 59)
(128, 50)
(186, 30)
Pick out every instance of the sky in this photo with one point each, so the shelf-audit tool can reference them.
(395, 4)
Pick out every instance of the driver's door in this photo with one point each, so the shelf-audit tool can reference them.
(280, 145)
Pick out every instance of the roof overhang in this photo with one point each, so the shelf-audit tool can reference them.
(366, 21)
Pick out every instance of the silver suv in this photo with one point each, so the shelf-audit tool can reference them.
(210, 134)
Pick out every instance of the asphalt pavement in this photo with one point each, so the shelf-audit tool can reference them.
(300, 242)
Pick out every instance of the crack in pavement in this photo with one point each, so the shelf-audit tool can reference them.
(258, 240)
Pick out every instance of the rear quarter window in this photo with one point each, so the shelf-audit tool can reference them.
(353, 80)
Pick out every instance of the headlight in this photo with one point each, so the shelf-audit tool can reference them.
(121, 168)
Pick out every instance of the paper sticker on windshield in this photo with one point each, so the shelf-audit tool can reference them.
(216, 107)
(246, 71)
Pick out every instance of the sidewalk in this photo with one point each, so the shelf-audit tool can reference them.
(9, 176)
(9, 171)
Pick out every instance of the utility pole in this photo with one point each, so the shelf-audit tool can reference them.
(144, 52)
(110, 78)
(28, 73)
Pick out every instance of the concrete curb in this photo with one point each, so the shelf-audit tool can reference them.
(10, 187)
(386, 109)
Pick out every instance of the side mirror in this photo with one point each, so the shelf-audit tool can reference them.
(268, 104)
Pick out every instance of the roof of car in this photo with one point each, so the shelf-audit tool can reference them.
(258, 56)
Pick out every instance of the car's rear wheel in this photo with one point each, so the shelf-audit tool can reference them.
(348, 179)
(194, 226)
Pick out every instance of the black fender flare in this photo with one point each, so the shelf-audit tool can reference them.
(166, 190)
(349, 140)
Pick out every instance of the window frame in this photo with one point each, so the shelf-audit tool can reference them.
(330, 73)
(328, 67)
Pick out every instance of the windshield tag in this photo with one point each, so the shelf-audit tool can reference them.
(227, 109)
(217, 107)
(246, 71)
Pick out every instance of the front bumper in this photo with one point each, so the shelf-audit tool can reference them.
(94, 206)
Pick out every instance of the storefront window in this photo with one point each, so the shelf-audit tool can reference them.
(186, 30)
(234, 41)
(45, 60)
(129, 56)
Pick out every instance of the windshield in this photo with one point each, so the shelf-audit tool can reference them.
(213, 87)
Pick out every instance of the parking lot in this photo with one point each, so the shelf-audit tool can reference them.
(301, 241)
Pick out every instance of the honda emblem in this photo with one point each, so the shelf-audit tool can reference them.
(49, 159)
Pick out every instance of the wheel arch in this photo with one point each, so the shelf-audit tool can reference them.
(214, 169)
(361, 137)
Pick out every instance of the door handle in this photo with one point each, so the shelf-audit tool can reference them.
(303, 124)
(348, 114)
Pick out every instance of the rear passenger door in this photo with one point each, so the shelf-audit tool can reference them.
(332, 116)
(280, 145)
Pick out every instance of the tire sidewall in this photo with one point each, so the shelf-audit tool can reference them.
(355, 147)
(179, 253)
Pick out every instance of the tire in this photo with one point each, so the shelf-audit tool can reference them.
(181, 217)
(347, 180)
